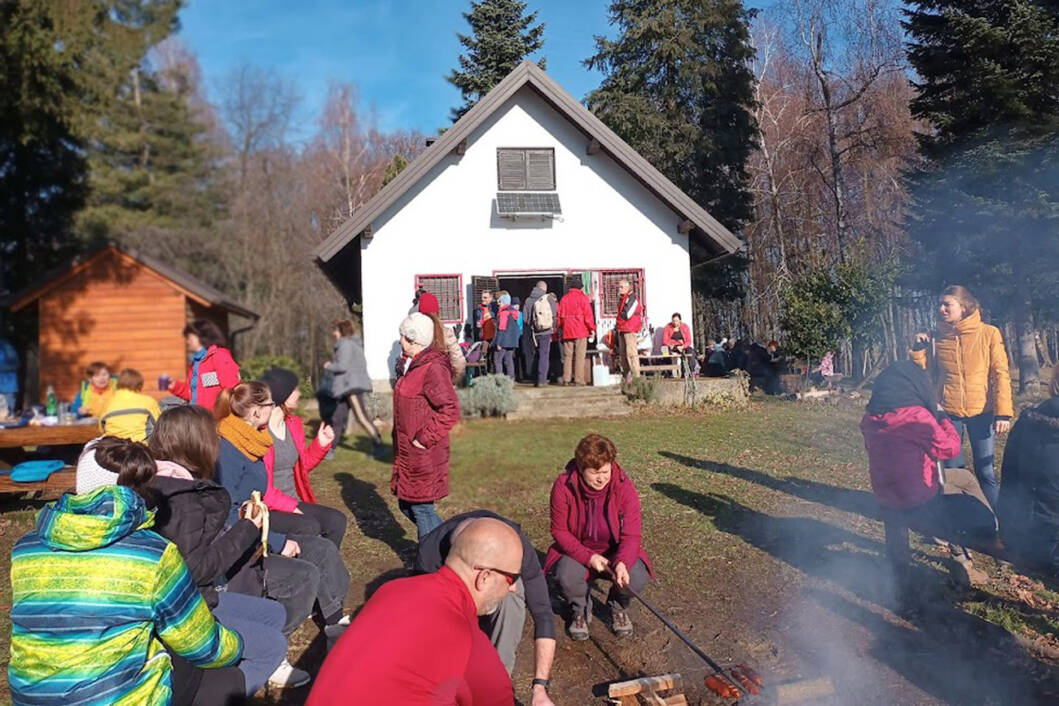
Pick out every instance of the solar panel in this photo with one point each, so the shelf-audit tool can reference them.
(528, 203)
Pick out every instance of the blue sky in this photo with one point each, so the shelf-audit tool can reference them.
(397, 53)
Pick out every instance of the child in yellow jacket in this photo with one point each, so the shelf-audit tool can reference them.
(130, 414)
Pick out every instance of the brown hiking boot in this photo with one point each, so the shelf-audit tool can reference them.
(578, 628)
(621, 623)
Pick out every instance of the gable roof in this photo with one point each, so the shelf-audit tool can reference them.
(717, 239)
(195, 289)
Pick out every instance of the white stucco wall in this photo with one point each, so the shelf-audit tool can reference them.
(447, 224)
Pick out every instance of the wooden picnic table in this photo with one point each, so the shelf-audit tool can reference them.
(14, 442)
(58, 435)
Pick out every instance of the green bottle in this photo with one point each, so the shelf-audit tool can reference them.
(52, 404)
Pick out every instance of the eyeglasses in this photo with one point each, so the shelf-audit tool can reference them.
(510, 577)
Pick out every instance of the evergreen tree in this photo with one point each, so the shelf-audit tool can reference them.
(987, 202)
(678, 88)
(982, 63)
(152, 166)
(502, 36)
(60, 66)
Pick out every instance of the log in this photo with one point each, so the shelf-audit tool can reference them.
(639, 686)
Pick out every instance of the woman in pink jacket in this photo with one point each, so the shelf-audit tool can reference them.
(597, 529)
(906, 434)
(212, 368)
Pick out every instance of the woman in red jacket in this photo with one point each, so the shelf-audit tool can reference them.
(289, 460)
(212, 368)
(425, 408)
(596, 525)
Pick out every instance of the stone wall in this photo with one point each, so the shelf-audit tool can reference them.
(728, 391)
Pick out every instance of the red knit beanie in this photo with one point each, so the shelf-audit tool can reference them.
(428, 304)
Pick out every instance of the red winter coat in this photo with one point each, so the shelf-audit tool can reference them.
(576, 319)
(226, 373)
(425, 408)
(630, 314)
(309, 457)
(622, 507)
(903, 447)
(667, 335)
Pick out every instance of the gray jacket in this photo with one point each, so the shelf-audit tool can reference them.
(527, 310)
(349, 367)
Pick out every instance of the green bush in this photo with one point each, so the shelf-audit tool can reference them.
(488, 396)
(640, 389)
(254, 368)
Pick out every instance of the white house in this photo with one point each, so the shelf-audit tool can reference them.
(528, 185)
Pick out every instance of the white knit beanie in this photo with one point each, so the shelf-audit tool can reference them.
(90, 475)
(418, 328)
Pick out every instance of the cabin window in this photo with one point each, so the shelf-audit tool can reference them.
(609, 296)
(447, 289)
(525, 169)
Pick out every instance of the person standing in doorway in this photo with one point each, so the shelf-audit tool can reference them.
(485, 323)
(543, 312)
(630, 317)
(969, 364)
(507, 337)
(576, 323)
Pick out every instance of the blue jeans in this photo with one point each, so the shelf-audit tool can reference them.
(259, 621)
(983, 445)
(423, 515)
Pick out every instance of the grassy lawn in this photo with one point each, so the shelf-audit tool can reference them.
(766, 543)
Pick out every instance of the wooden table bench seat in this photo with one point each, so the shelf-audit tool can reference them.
(60, 480)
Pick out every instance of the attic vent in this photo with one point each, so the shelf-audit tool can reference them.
(525, 169)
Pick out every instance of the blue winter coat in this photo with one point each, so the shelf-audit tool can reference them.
(240, 476)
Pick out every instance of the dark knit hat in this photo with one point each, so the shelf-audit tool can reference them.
(281, 382)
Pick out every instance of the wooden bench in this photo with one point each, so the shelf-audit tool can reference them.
(60, 480)
(670, 364)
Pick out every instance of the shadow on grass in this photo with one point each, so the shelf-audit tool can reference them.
(373, 515)
(948, 653)
(859, 502)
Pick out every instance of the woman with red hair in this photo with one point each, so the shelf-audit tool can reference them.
(596, 525)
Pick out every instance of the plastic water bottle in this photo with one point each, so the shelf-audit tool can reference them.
(4, 411)
(52, 403)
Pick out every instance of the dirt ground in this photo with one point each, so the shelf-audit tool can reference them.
(767, 548)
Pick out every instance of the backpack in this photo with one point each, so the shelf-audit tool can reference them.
(542, 315)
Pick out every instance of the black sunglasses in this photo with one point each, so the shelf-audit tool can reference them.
(510, 577)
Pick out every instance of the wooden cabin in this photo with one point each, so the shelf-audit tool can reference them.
(120, 307)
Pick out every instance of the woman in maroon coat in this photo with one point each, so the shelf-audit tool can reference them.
(425, 409)
(596, 525)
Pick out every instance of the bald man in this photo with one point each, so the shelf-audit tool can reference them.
(417, 640)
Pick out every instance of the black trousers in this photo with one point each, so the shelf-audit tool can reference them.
(317, 519)
(319, 558)
(193, 686)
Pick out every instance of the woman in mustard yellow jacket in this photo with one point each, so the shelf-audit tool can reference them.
(969, 365)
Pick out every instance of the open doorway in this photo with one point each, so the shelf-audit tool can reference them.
(521, 285)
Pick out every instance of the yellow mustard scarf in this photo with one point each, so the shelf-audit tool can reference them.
(252, 443)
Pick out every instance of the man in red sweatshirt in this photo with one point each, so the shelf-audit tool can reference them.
(417, 642)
